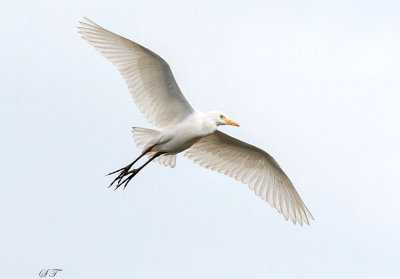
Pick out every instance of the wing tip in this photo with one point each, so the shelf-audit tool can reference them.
(302, 217)
(89, 23)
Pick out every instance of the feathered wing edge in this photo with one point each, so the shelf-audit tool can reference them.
(254, 167)
(148, 76)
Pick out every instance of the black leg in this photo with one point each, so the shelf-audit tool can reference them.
(129, 174)
(128, 166)
(123, 171)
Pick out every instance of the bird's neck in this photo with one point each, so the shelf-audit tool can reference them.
(209, 126)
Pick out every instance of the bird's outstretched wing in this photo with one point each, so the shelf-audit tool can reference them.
(147, 75)
(252, 166)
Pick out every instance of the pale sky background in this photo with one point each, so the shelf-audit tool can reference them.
(315, 83)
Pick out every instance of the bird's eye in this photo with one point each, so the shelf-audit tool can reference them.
(221, 116)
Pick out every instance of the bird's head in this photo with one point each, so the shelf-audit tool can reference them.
(221, 119)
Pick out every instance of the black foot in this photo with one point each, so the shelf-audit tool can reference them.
(122, 172)
(129, 175)
(124, 176)
(126, 169)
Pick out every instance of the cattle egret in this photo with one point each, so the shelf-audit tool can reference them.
(181, 127)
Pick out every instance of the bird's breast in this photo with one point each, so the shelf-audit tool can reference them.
(177, 144)
(180, 138)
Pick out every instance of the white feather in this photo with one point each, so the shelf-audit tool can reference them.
(253, 166)
(159, 98)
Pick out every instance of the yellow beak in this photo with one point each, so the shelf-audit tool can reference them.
(230, 122)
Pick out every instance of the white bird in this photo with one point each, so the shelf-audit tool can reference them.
(182, 127)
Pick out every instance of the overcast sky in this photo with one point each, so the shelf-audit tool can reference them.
(314, 84)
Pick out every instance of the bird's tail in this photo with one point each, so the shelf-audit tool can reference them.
(143, 137)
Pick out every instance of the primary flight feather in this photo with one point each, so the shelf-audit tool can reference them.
(184, 128)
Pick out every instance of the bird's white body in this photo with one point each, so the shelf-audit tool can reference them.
(183, 135)
(184, 128)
